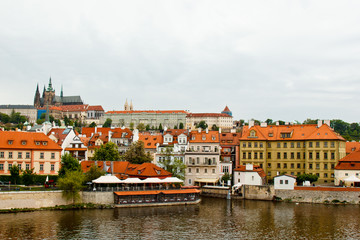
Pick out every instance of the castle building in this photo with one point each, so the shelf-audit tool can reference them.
(223, 120)
(50, 99)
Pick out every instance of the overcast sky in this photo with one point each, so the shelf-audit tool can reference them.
(287, 60)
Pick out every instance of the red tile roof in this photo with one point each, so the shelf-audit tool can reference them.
(226, 109)
(95, 108)
(148, 111)
(227, 139)
(87, 131)
(202, 115)
(256, 168)
(26, 140)
(58, 133)
(298, 132)
(74, 108)
(349, 162)
(150, 140)
(202, 137)
(352, 147)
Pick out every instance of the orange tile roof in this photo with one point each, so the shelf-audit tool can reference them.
(352, 147)
(148, 111)
(208, 115)
(85, 140)
(119, 133)
(150, 140)
(349, 162)
(298, 132)
(148, 170)
(59, 134)
(29, 138)
(74, 108)
(226, 109)
(95, 108)
(87, 131)
(226, 137)
(202, 137)
(256, 168)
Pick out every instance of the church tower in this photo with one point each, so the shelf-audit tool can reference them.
(37, 97)
(131, 106)
(49, 94)
(126, 106)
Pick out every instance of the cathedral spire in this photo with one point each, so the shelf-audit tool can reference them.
(37, 97)
(61, 93)
(131, 106)
(126, 106)
(43, 95)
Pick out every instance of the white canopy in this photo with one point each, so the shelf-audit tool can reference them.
(172, 180)
(132, 180)
(107, 179)
(152, 180)
(352, 178)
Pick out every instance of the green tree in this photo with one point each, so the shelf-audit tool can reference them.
(269, 121)
(132, 126)
(68, 163)
(107, 123)
(172, 164)
(94, 173)
(28, 177)
(92, 125)
(310, 121)
(147, 127)
(306, 177)
(202, 125)
(4, 118)
(160, 127)
(175, 127)
(136, 153)
(181, 125)
(225, 178)
(15, 174)
(107, 152)
(214, 127)
(71, 184)
(141, 127)
(67, 121)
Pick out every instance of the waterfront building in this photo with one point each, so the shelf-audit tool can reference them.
(230, 148)
(202, 158)
(223, 120)
(28, 111)
(249, 174)
(293, 149)
(49, 98)
(348, 167)
(285, 182)
(29, 150)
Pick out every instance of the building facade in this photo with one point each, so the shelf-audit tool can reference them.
(293, 149)
(29, 151)
(223, 120)
(28, 111)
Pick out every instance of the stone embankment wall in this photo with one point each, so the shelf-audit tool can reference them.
(310, 196)
(40, 199)
(264, 192)
(31, 199)
(215, 191)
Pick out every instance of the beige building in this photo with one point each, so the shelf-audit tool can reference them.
(29, 151)
(223, 120)
(26, 110)
(293, 149)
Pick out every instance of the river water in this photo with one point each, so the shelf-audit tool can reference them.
(211, 219)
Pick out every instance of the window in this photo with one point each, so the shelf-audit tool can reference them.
(285, 155)
(10, 154)
(244, 144)
(269, 155)
(285, 145)
(269, 165)
(332, 166)
(292, 165)
(285, 165)
(225, 169)
(42, 155)
(278, 165)
(27, 166)
(326, 144)
(249, 144)
(255, 144)
(310, 166)
(252, 178)
(317, 166)
(298, 165)
(346, 174)
(325, 175)
(205, 170)
(281, 181)
(332, 156)
(325, 166)
(19, 166)
(269, 145)
(197, 170)
(9, 166)
(292, 155)
(298, 145)
(249, 155)
(325, 155)
(1, 166)
(261, 155)
(23, 142)
(298, 155)
(37, 142)
(317, 155)
(278, 145)
(189, 170)
(19, 155)
(244, 155)
(261, 145)
(1, 154)
(310, 155)
(286, 181)
(213, 171)
(255, 155)
(189, 181)
(310, 144)
(317, 144)
(197, 160)
(292, 144)
(10, 142)
(278, 155)
(332, 144)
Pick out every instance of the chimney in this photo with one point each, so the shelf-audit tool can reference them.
(263, 125)
(112, 167)
(207, 130)
(110, 134)
(199, 130)
(277, 123)
(219, 130)
(251, 123)
(319, 123)
(327, 122)
(249, 167)
(95, 129)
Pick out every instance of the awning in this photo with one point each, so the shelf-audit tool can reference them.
(172, 180)
(152, 180)
(107, 179)
(132, 180)
(352, 178)
(207, 180)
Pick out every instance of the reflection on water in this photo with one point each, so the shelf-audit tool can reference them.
(211, 219)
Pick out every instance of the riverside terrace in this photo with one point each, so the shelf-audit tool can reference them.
(147, 192)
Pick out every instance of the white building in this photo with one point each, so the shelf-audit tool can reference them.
(249, 175)
(284, 182)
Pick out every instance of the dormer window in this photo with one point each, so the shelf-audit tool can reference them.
(213, 138)
(139, 171)
(45, 143)
(158, 172)
(203, 137)
(10, 142)
(37, 143)
(23, 142)
(193, 138)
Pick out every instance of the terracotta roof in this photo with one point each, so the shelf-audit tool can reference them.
(202, 115)
(352, 147)
(297, 132)
(210, 137)
(87, 131)
(74, 108)
(148, 111)
(226, 109)
(225, 138)
(95, 108)
(176, 132)
(349, 162)
(256, 168)
(121, 133)
(150, 140)
(60, 134)
(26, 140)
(144, 170)
(85, 140)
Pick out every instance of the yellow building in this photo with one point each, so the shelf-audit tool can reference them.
(293, 149)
